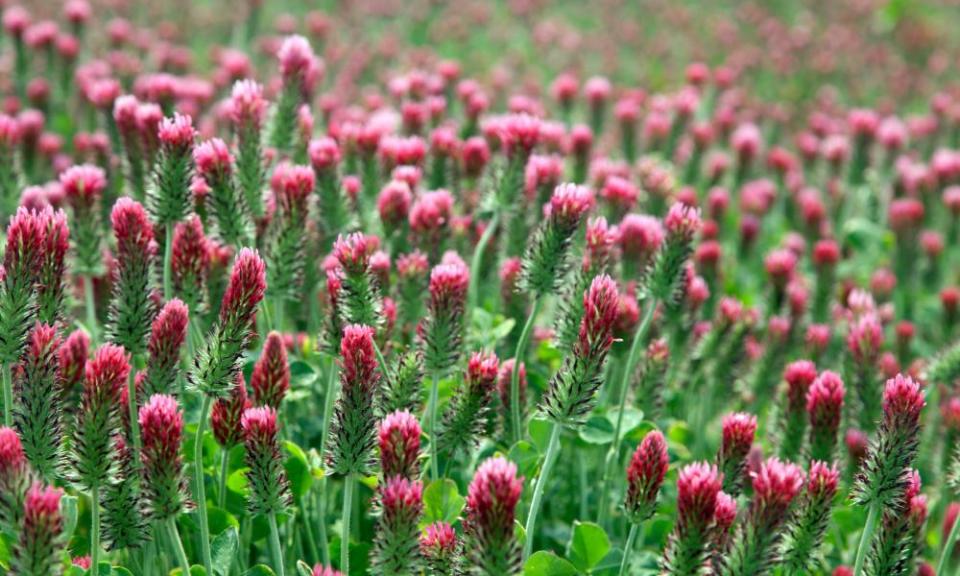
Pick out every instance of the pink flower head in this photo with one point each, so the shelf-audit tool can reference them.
(682, 221)
(401, 499)
(161, 426)
(725, 512)
(83, 184)
(105, 376)
(448, 286)
(865, 339)
(167, 335)
(600, 242)
(569, 203)
(780, 265)
(399, 444)
(799, 376)
(132, 228)
(474, 154)
(393, 203)
(492, 500)
(698, 486)
(177, 134)
(77, 11)
(191, 255)
(41, 524)
(292, 185)
(519, 134)
(600, 307)
(746, 141)
(16, 19)
(906, 215)
(12, 458)
(247, 105)
(775, 485)
(640, 236)
(245, 288)
(259, 425)
(296, 59)
(438, 541)
(597, 90)
(25, 239)
(324, 154)
(213, 159)
(822, 480)
(645, 475)
(226, 413)
(270, 379)
(353, 252)
(431, 212)
(903, 400)
(825, 400)
(358, 359)
(73, 359)
(320, 570)
(620, 192)
(739, 430)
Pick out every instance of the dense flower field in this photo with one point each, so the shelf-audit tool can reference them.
(292, 312)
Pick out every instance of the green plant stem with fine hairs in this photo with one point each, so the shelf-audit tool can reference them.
(168, 263)
(200, 494)
(519, 356)
(94, 530)
(947, 551)
(434, 450)
(177, 545)
(91, 305)
(7, 395)
(134, 417)
(275, 550)
(222, 484)
(477, 260)
(553, 450)
(329, 396)
(865, 537)
(628, 548)
(638, 338)
(348, 483)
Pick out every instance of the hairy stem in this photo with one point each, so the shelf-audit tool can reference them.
(200, 494)
(94, 530)
(7, 395)
(275, 550)
(348, 483)
(948, 549)
(477, 260)
(434, 450)
(222, 484)
(177, 545)
(329, 396)
(628, 548)
(519, 356)
(865, 537)
(168, 263)
(91, 305)
(553, 449)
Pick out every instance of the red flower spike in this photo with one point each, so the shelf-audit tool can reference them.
(399, 439)
(270, 379)
(645, 475)
(226, 413)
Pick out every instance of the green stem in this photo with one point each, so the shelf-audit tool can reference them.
(865, 537)
(278, 313)
(222, 485)
(434, 450)
(134, 416)
(477, 259)
(168, 263)
(177, 545)
(328, 401)
(384, 369)
(628, 548)
(519, 356)
(7, 395)
(348, 483)
(275, 550)
(553, 449)
(947, 551)
(94, 530)
(614, 453)
(200, 493)
(90, 301)
(308, 530)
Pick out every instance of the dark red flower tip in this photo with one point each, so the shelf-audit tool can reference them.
(161, 428)
(739, 430)
(106, 374)
(903, 399)
(227, 412)
(245, 290)
(777, 483)
(493, 496)
(600, 306)
(72, 357)
(646, 471)
(399, 493)
(25, 240)
(191, 250)
(483, 368)
(438, 539)
(168, 332)
(41, 510)
(270, 379)
(698, 486)
(394, 202)
(825, 400)
(358, 358)
(131, 227)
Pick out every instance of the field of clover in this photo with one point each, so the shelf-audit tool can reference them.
(505, 288)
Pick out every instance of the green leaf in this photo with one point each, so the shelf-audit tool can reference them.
(304, 569)
(195, 570)
(68, 511)
(539, 430)
(597, 430)
(237, 481)
(545, 563)
(260, 570)
(588, 545)
(442, 502)
(298, 470)
(120, 571)
(527, 458)
(223, 550)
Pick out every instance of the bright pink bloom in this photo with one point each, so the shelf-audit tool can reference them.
(645, 475)
(245, 288)
(492, 500)
(399, 445)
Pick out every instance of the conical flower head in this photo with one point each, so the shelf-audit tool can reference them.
(21, 263)
(547, 256)
(666, 277)
(40, 545)
(37, 412)
(270, 379)
(698, 489)
(571, 393)
(442, 330)
(190, 261)
(105, 378)
(825, 409)
(440, 549)
(131, 307)
(292, 186)
(739, 430)
(465, 418)
(165, 485)
(219, 361)
(490, 514)
(167, 335)
(247, 105)
(226, 413)
(881, 477)
(15, 478)
(269, 489)
(360, 298)
(170, 199)
(52, 276)
(353, 430)
(321, 570)
(645, 475)
(775, 485)
(399, 439)
(396, 543)
(72, 360)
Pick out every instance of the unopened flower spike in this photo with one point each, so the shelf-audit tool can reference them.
(298, 69)
(226, 413)
(491, 545)
(229, 209)
(247, 110)
(353, 430)
(83, 187)
(165, 484)
(131, 307)
(645, 474)
(465, 418)
(698, 487)
(806, 532)
(125, 526)
(292, 186)
(403, 390)
(739, 430)
(40, 546)
(51, 281)
(396, 542)
(441, 550)
(169, 198)
(37, 413)
(270, 379)
(825, 400)
(190, 263)
(167, 336)
(360, 300)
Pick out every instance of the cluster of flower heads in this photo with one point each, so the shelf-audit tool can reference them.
(415, 287)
